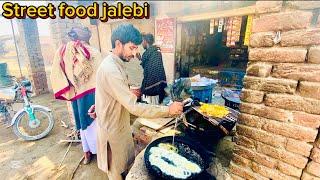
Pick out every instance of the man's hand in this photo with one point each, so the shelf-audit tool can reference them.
(175, 108)
(92, 112)
(136, 92)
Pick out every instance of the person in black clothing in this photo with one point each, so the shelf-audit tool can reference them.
(154, 76)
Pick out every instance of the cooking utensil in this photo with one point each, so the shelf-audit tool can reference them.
(186, 147)
(208, 129)
(216, 121)
(170, 123)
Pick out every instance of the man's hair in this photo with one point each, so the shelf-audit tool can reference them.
(149, 38)
(126, 33)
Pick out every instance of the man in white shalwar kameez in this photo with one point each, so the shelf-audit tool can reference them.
(115, 102)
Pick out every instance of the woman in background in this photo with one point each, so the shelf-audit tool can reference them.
(73, 78)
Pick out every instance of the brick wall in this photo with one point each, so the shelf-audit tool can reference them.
(278, 130)
(59, 27)
(30, 51)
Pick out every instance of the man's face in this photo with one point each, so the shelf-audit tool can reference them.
(128, 51)
(144, 44)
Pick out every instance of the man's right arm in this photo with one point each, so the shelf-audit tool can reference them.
(121, 92)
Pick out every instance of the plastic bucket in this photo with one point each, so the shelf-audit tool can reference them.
(203, 93)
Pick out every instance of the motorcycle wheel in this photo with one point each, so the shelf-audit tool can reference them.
(22, 129)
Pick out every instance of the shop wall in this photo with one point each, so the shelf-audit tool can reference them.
(105, 30)
(133, 68)
(278, 129)
(169, 66)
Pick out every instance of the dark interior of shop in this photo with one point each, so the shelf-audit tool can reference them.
(215, 49)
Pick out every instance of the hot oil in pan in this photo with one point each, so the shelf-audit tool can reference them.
(161, 158)
(175, 164)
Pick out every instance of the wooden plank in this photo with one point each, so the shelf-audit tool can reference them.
(227, 13)
(69, 141)
(155, 124)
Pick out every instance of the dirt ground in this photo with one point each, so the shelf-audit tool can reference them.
(40, 159)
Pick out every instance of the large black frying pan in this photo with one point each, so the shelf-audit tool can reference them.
(200, 128)
(193, 153)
